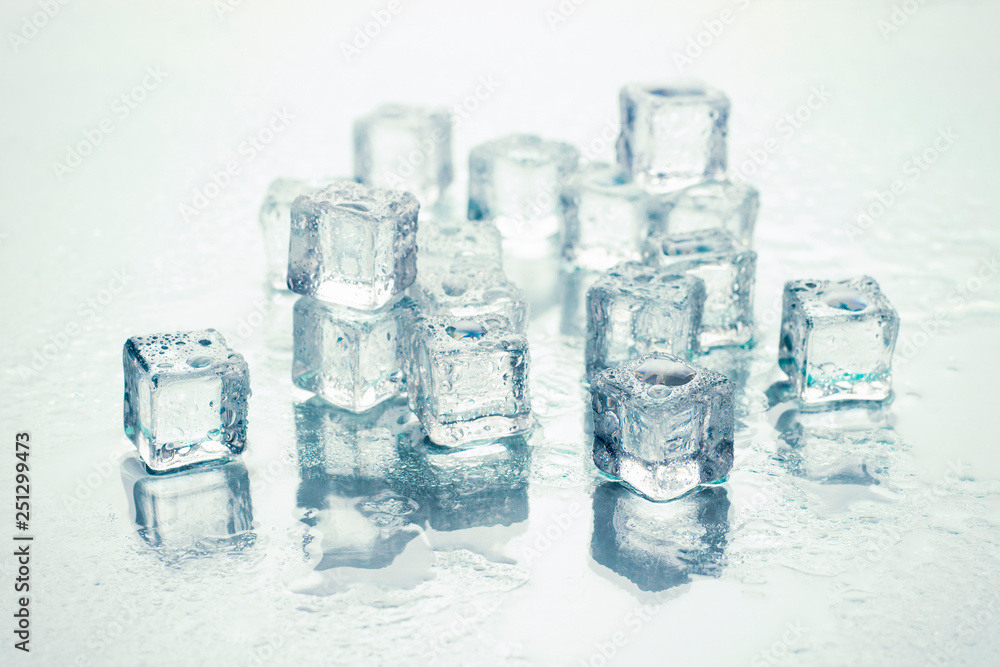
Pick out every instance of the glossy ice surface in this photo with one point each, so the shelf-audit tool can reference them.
(468, 378)
(662, 425)
(800, 558)
(837, 339)
(634, 309)
(516, 181)
(185, 398)
(353, 245)
(404, 148)
(672, 134)
(352, 358)
(728, 270)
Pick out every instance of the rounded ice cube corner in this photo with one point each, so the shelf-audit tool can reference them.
(837, 340)
(185, 399)
(662, 425)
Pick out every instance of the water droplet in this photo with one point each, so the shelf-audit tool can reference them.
(465, 329)
(204, 341)
(658, 391)
(664, 372)
(846, 298)
(165, 364)
(199, 361)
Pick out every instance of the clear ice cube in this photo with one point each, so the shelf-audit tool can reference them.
(672, 136)
(731, 207)
(633, 310)
(604, 217)
(468, 379)
(353, 245)
(516, 182)
(208, 505)
(658, 546)
(471, 243)
(837, 339)
(662, 425)
(276, 222)
(405, 148)
(185, 398)
(354, 359)
(728, 269)
(460, 273)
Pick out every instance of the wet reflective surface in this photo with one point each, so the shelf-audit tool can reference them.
(872, 532)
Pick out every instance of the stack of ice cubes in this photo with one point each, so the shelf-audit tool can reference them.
(375, 321)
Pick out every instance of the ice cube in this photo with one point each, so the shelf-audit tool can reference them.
(185, 398)
(465, 293)
(574, 283)
(662, 425)
(460, 273)
(405, 148)
(658, 546)
(189, 508)
(728, 269)
(604, 217)
(731, 207)
(353, 245)
(633, 310)
(837, 339)
(485, 484)
(469, 379)
(354, 359)
(672, 135)
(470, 243)
(516, 181)
(276, 222)
(346, 495)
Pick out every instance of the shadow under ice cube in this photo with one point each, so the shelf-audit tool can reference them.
(672, 136)
(185, 398)
(353, 245)
(405, 148)
(634, 309)
(352, 358)
(837, 339)
(662, 426)
(468, 379)
(516, 181)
